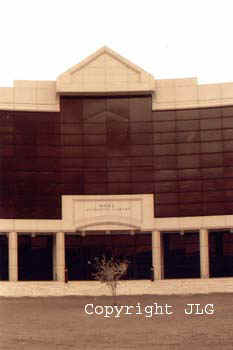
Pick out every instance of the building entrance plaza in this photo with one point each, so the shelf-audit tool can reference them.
(108, 160)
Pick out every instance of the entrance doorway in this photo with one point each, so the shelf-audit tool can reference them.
(35, 257)
(81, 252)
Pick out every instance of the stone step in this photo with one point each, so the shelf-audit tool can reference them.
(94, 288)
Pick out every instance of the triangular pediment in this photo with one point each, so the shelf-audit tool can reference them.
(105, 72)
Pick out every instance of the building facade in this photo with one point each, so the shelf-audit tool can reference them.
(109, 160)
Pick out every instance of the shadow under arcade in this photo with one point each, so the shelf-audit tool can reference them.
(221, 253)
(35, 257)
(181, 255)
(4, 263)
(81, 252)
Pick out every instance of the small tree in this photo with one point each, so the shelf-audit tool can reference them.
(110, 271)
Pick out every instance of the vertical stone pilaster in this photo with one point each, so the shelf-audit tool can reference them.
(158, 255)
(54, 258)
(60, 256)
(13, 256)
(204, 253)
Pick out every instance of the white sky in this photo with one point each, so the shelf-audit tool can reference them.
(41, 39)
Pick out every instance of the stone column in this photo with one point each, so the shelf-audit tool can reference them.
(60, 256)
(54, 258)
(157, 255)
(204, 253)
(13, 256)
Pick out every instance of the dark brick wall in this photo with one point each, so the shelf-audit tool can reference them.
(116, 145)
(107, 145)
(194, 161)
(29, 165)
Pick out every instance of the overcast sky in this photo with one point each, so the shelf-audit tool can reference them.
(168, 38)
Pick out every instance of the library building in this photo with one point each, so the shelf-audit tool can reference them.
(108, 160)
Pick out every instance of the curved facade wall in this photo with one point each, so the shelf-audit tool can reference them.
(116, 145)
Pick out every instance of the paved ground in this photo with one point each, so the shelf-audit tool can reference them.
(61, 323)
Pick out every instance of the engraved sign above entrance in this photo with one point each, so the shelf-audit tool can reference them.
(120, 207)
(98, 212)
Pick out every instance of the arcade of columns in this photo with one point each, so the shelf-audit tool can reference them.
(59, 255)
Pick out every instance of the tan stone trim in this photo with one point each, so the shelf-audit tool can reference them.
(98, 53)
(137, 212)
(174, 96)
(158, 255)
(194, 223)
(26, 98)
(106, 72)
(204, 253)
(13, 255)
(156, 224)
(30, 96)
(60, 256)
(165, 287)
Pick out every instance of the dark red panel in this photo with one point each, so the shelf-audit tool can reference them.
(194, 209)
(168, 149)
(166, 186)
(165, 126)
(188, 161)
(116, 145)
(210, 113)
(72, 109)
(227, 122)
(140, 109)
(188, 148)
(211, 147)
(164, 137)
(164, 175)
(189, 114)
(167, 210)
(227, 111)
(191, 185)
(212, 135)
(210, 124)
(187, 125)
(190, 174)
(163, 115)
(187, 136)
(165, 162)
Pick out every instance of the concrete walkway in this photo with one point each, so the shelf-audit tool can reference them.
(94, 288)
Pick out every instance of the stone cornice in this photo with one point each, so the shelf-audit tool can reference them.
(107, 73)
